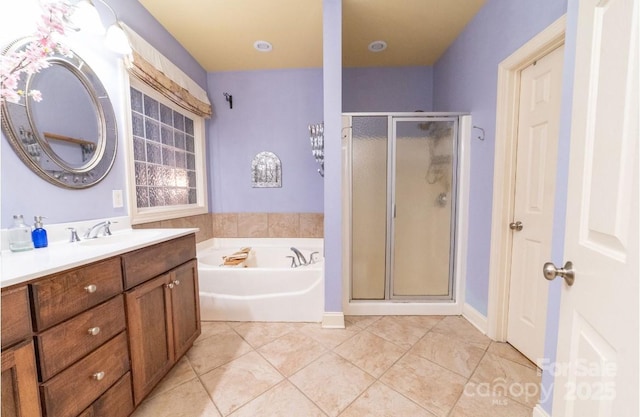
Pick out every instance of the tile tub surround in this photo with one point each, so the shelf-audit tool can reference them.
(203, 222)
(268, 225)
(246, 225)
(377, 366)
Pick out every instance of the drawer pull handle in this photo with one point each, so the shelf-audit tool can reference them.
(93, 331)
(91, 288)
(98, 376)
(177, 282)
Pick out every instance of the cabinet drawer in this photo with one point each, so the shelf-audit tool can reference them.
(144, 264)
(63, 295)
(62, 345)
(16, 320)
(116, 402)
(74, 389)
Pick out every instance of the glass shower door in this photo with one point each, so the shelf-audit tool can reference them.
(422, 228)
(369, 156)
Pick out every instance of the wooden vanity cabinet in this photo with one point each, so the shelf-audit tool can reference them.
(81, 338)
(19, 375)
(104, 333)
(163, 319)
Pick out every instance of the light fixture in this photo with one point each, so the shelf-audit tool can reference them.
(116, 39)
(86, 17)
(263, 46)
(377, 46)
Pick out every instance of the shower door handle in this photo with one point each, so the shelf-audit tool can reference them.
(394, 211)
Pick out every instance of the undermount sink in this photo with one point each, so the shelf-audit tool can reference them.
(119, 238)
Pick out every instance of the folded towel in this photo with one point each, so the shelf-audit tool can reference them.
(237, 258)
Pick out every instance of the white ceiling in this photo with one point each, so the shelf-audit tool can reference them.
(220, 33)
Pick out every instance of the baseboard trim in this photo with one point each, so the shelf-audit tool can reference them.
(333, 320)
(475, 317)
(538, 411)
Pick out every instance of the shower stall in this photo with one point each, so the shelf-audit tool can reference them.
(402, 178)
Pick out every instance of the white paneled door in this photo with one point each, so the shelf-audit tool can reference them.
(596, 373)
(532, 226)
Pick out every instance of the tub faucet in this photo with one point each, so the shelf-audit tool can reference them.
(300, 256)
(105, 225)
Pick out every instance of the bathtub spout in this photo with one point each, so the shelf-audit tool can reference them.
(301, 259)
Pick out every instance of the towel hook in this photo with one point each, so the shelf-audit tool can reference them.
(481, 135)
(229, 99)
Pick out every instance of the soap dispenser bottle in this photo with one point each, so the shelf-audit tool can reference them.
(39, 235)
(20, 235)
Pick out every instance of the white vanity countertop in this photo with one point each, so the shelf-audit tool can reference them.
(18, 267)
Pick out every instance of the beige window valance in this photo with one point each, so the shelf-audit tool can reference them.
(156, 70)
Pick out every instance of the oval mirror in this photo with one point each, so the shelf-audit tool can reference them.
(70, 137)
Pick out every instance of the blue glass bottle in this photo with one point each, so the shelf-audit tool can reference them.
(39, 235)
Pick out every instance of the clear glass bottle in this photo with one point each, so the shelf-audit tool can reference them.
(20, 235)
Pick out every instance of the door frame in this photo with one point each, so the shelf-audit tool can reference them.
(504, 172)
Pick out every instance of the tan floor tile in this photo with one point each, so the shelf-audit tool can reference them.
(381, 401)
(332, 383)
(404, 331)
(211, 328)
(329, 337)
(216, 351)
(449, 352)
(370, 353)
(187, 400)
(261, 333)
(240, 381)
(459, 327)
(520, 382)
(181, 373)
(292, 352)
(431, 386)
(477, 401)
(507, 351)
(362, 321)
(283, 400)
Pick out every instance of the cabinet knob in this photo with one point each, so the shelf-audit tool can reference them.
(91, 288)
(93, 331)
(169, 285)
(98, 376)
(177, 282)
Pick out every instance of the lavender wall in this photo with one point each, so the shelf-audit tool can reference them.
(332, 77)
(465, 79)
(271, 112)
(387, 89)
(24, 192)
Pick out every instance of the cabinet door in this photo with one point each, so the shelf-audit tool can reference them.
(185, 303)
(19, 382)
(150, 334)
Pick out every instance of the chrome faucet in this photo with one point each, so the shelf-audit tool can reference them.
(105, 225)
(301, 259)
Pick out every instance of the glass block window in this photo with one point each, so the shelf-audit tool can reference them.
(167, 157)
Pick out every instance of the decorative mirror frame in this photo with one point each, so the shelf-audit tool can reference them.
(31, 146)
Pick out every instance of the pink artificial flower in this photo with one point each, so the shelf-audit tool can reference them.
(34, 57)
(36, 95)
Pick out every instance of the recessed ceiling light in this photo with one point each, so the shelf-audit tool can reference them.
(377, 46)
(263, 46)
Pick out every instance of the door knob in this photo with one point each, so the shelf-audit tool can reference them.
(516, 226)
(550, 271)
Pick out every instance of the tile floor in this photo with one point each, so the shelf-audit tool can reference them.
(428, 366)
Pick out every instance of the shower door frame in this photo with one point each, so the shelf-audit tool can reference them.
(391, 206)
(453, 305)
